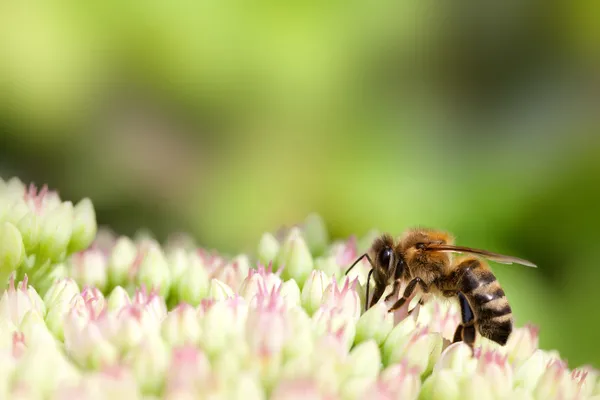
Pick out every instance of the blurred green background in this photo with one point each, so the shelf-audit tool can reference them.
(226, 119)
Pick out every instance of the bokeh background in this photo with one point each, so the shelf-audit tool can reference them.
(226, 119)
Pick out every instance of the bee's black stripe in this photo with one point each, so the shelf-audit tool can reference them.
(471, 280)
(499, 331)
(488, 313)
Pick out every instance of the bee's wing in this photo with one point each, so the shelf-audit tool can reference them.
(499, 258)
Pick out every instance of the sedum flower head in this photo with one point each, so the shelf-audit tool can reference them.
(129, 318)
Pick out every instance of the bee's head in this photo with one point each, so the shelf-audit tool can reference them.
(389, 263)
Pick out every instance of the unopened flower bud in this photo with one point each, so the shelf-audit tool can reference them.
(458, 358)
(16, 301)
(312, 292)
(290, 293)
(88, 346)
(118, 299)
(344, 297)
(494, 367)
(440, 386)
(422, 350)
(178, 263)
(295, 257)
(219, 290)
(193, 285)
(57, 227)
(62, 290)
(181, 326)
(397, 381)
(365, 361)
(246, 387)
(30, 227)
(529, 372)
(12, 251)
(89, 268)
(298, 389)
(121, 258)
(268, 248)
(398, 337)
(522, 343)
(477, 387)
(149, 362)
(84, 226)
(154, 271)
(33, 369)
(375, 324)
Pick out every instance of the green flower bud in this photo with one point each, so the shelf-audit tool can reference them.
(312, 292)
(477, 387)
(365, 361)
(149, 362)
(154, 271)
(268, 248)
(12, 251)
(295, 258)
(193, 285)
(120, 261)
(458, 358)
(30, 227)
(34, 328)
(178, 263)
(440, 386)
(181, 326)
(375, 324)
(84, 226)
(219, 291)
(290, 293)
(218, 328)
(17, 211)
(316, 234)
(398, 337)
(57, 227)
(302, 340)
(118, 299)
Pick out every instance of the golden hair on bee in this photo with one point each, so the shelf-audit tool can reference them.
(422, 258)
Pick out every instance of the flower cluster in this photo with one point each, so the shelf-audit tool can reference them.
(135, 319)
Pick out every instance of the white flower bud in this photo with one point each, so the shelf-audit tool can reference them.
(312, 292)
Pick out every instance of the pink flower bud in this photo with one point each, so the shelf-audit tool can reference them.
(299, 389)
(345, 298)
(16, 301)
(522, 343)
(181, 326)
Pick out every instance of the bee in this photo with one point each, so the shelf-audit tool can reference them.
(423, 258)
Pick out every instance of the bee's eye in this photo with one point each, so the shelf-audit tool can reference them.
(384, 257)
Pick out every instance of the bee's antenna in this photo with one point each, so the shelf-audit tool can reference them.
(357, 260)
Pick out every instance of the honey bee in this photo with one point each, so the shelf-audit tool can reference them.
(424, 257)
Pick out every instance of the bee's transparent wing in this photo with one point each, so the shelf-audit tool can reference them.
(499, 258)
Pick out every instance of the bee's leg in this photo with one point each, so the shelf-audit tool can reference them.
(466, 330)
(410, 288)
(377, 293)
(395, 290)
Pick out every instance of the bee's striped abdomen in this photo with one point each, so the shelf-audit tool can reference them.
(493, 315)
